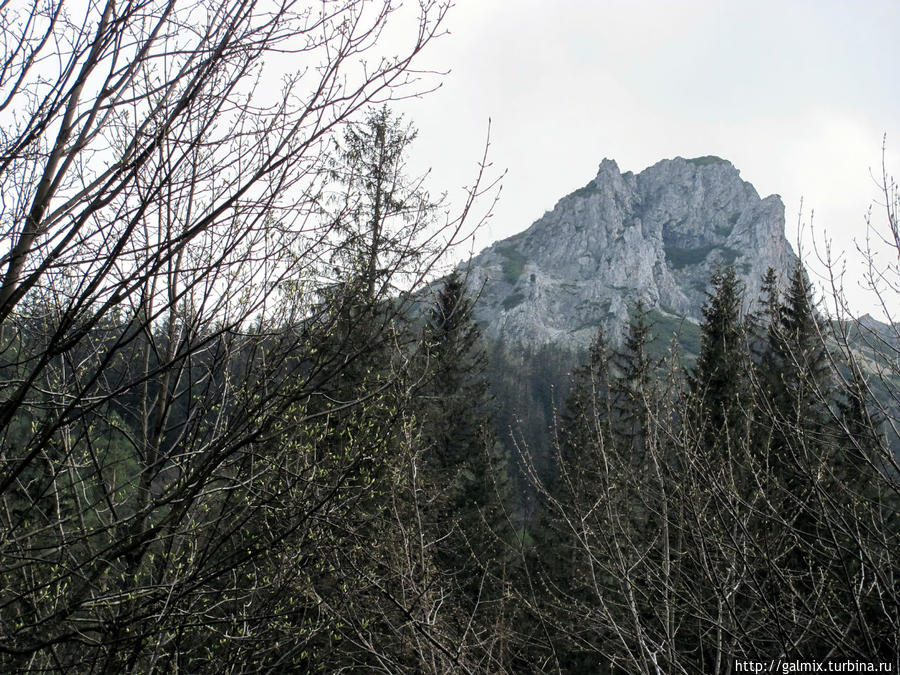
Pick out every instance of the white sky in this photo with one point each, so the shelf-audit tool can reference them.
(797, 95)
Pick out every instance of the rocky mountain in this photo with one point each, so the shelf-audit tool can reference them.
(656, 235)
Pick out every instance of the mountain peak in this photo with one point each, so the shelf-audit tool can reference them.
(656, 236)
(706, 160)
(607, 166)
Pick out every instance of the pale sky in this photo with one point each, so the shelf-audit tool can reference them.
(797, 95)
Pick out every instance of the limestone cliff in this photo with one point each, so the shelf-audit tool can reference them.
(657, 235)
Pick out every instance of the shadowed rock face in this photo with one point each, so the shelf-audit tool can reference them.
(657, 235)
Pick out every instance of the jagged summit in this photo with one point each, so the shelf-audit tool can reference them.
(656, 235)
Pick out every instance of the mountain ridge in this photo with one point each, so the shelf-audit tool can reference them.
(655, 236)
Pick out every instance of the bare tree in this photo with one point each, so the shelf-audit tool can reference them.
(871, 347)
(167, 491)
(756, 518)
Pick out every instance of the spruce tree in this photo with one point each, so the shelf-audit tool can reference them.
(794, 374)
(456, 364)
(380, 206)
(713, 480)
(862, 445)
(770, 300)
(587, 415)
(797, 444)
(806, 375)
(466, 469)
(633, 387)
(763, 327)
(866, 510)
(572, 515)
(719, 380)
(584, 435)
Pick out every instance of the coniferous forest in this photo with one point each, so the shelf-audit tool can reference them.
(249, 424)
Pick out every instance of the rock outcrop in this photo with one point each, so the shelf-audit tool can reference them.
(657, 235)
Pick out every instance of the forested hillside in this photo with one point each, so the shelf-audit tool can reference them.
(249, 423)
(695, 518)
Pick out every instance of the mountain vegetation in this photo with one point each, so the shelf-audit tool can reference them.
(700, 518)
(248, 425)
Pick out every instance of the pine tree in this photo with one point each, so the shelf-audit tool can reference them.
(719, 381)
(379, 207)
(713, 479)
(794, 374)
(770, 300)
(456, 365)
(796, 443)
(633, 387)
(365, 410)
(586, 419)
(584, 434)
(862, 445)
(604, 499)
(806, 373)
(866, 510)
(586, 441)
(466, 468)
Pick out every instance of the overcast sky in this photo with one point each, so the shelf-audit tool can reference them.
(797, 95)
